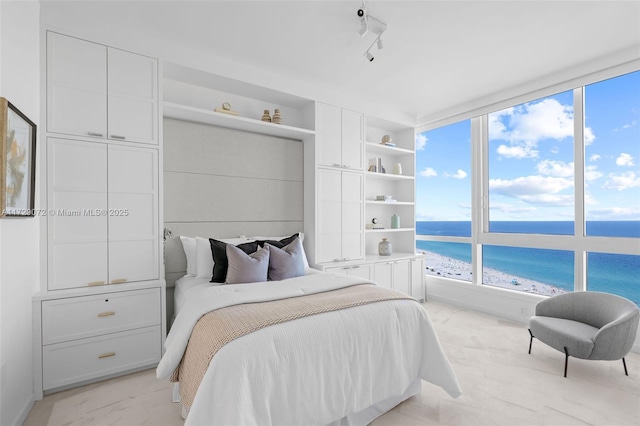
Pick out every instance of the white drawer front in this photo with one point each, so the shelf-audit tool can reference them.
(73, 362)
(87, 316)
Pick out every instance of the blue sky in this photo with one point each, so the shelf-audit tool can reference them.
(531, 159)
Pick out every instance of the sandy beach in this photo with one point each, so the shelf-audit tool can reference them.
(447, 267)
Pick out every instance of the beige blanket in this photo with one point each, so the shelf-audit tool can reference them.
(221, 326)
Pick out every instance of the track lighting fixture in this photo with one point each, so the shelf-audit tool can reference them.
(368, 24)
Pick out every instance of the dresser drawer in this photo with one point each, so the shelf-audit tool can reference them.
(87, 316)
(85, 359)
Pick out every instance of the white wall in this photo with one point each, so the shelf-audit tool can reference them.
(19, 237)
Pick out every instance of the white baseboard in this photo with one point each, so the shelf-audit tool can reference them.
(24, 413)
(503, 303)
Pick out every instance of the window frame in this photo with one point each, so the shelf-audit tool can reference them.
(579, 243)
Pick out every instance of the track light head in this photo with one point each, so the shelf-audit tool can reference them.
(364, 27)
(369, 56)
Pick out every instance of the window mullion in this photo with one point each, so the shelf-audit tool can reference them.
(580, 257)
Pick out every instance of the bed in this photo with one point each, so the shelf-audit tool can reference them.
(344, 363)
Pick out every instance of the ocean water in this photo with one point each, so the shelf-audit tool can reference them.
(613, 273)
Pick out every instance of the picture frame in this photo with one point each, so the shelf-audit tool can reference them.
(17, 162)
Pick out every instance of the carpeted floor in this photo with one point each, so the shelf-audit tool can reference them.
(501, 385)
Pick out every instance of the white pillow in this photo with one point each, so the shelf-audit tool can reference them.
(189, 246)
(204, 257)
(300, 235)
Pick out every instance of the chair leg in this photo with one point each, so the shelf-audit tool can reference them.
(566, 360)
(530, 341)
(625, 367)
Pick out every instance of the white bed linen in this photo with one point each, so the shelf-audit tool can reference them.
(314, 370)
(184, 285)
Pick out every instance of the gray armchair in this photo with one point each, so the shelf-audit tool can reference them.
(586, 325)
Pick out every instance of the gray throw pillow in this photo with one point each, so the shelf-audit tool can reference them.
(286, 262)
(247, 268)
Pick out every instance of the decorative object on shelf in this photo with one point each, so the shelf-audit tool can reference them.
(395, 222)
(277, 117)
(17, 162)
(386, 140)
(226, 108)
(384, 197)
(384, 247)
(397, 169)
(266, 117)
(374, 224)
(375, 165)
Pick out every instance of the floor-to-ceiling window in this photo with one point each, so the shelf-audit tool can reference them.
(556, 193)
(443, 199)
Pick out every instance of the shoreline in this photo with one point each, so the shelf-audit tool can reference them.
(447, 267)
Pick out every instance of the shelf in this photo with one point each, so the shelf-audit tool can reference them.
(394, 203)
(374, 257)
(389, 176)
(203, 116)
(377, 148)
(373, 231)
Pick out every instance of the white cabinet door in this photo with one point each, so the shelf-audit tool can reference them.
(352, 216)
(417, 278)
(133, 214)
(363, 271)
(132, 90)
(76, 86)
(340, 230)
(339, 137)
(103, 214)
(383, 274)
(352, 136)
(328, 135)
(401, 276)
(329, 226)
(77, 225)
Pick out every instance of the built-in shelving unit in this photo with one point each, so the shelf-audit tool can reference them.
(400, 186)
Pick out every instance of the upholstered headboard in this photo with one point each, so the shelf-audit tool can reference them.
(224, 183)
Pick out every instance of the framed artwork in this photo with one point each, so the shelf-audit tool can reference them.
(17, 162)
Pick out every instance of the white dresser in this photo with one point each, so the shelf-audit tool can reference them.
(101, 308)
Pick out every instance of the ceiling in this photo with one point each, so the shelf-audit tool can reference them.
(438, 55)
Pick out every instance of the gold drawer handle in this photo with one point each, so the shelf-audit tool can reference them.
(107, 355)
(95, 283)
(106, 314)
(119, 281)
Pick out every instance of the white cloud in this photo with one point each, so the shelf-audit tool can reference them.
(555, 150)
(634, 123)
(428, 172)
(534, 189)
(421, 141)
(555, 168)
(625, 160)
(614, 213)
(511, 209)
(517, 151)
(591, 173)
(525, 125)
(595, 157)
(460, 174)
(622, 181)
(549, 199)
